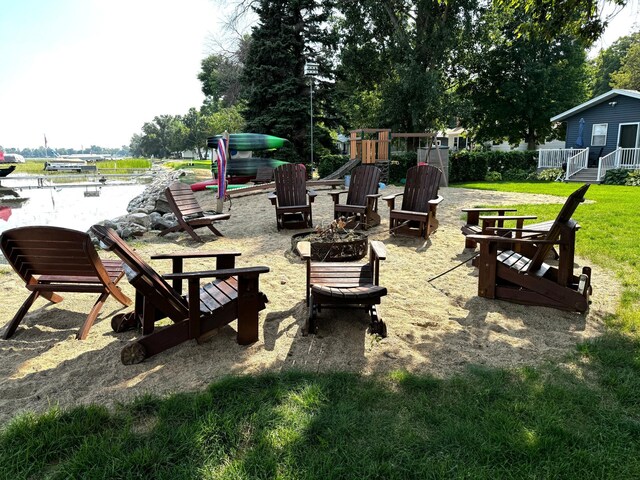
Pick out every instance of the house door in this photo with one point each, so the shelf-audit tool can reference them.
(629, 137)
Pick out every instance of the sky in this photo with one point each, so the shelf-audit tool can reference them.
(92, 72)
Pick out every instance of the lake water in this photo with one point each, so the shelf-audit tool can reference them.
(63, 207)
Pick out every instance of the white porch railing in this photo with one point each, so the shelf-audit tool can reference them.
(554, 158)
(576, 163)
(606, 163)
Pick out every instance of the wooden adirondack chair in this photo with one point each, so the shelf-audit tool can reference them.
(290, 198)
(343, 284)
(188, 212)
(53, 259)
(420, 199)
(234, 294)
(508, 275)
(362, 198)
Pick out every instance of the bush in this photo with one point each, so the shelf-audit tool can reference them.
(400, 163)
(517, 175)
(616, 176)
(330, 163)
(493, 177)
(550, 174)
(633, 179)
(467, 166)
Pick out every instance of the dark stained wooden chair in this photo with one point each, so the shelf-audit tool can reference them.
(420, 199)
(234, 294)
(344, 284)
(53, 259)
(189, 213)
(361, 206)
(263, 175)
(508, 275)
(290, 198)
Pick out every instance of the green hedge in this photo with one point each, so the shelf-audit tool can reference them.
(616, 176)
(465, 166)
(330, 163)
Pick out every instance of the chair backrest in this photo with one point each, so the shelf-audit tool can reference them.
(161, 294)
(291, 185)
(365, 181)
(45, 250)
(182, 201)
(422, 185)
(562, 221)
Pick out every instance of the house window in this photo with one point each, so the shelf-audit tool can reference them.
(599, 134)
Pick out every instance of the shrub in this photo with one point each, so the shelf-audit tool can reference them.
(550, 174)
(633, 179)
(517, 175)
(400, 163)
(330, 163)
(493, 177)
(616, 176)
(467, 166)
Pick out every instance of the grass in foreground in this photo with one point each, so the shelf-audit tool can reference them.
(580, 420)
(487, 424)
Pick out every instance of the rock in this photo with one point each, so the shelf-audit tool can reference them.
(141, 219)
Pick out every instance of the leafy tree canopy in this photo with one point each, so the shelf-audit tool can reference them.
(608, 61)
(629, 74)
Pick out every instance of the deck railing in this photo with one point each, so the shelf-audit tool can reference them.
(577, 162)
(606, 163)
(554, 158)
(628, 158)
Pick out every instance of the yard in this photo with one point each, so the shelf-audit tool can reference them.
(563, 415)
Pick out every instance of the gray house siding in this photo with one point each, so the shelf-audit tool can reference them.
(625, 110)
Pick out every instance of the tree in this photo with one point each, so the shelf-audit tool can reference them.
(629, 74)
(162, 137)
(288, 33)
(608, 61)
(517, 82)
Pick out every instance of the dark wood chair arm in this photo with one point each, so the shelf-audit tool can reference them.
(378, 250)
(312, 195)
(304, 249)
(436, 201)
(224, 273)
(516, 230)
(495, 218)
(391, 199)
(170, 256)
(489, 209)
(374, 195)
(509, 240)
(335, 196)
(273, 197)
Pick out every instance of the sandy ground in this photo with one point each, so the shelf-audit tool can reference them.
(436, 328)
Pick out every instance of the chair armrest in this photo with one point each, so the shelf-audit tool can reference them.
(521, 241)
(304, 249)
(378, 250)
(312, 194)
(374, 195)
(273, 197)
(224, 273)
(489, 209)
(436, 201)
(507, 217)
(171, 256)
(391, 200)
(335, 196)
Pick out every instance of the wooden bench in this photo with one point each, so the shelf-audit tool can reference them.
(264, 175)
(341, 284)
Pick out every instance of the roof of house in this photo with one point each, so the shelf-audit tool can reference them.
(594, 101)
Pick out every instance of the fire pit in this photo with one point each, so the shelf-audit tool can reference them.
(337, 247)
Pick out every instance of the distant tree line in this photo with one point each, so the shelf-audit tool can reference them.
(42, 152)
(501, 69)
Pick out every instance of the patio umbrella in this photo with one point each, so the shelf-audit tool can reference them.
(580, 140)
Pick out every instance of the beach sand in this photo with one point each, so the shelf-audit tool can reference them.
(435, 328)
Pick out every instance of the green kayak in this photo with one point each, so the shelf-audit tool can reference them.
(248, 141)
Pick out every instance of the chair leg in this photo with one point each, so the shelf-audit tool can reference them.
(311, 325)
(215, 231)
(91, 318)
(13, 324)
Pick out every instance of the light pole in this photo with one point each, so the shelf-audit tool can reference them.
(311, 70)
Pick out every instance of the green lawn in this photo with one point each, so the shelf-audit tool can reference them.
(577, 420)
